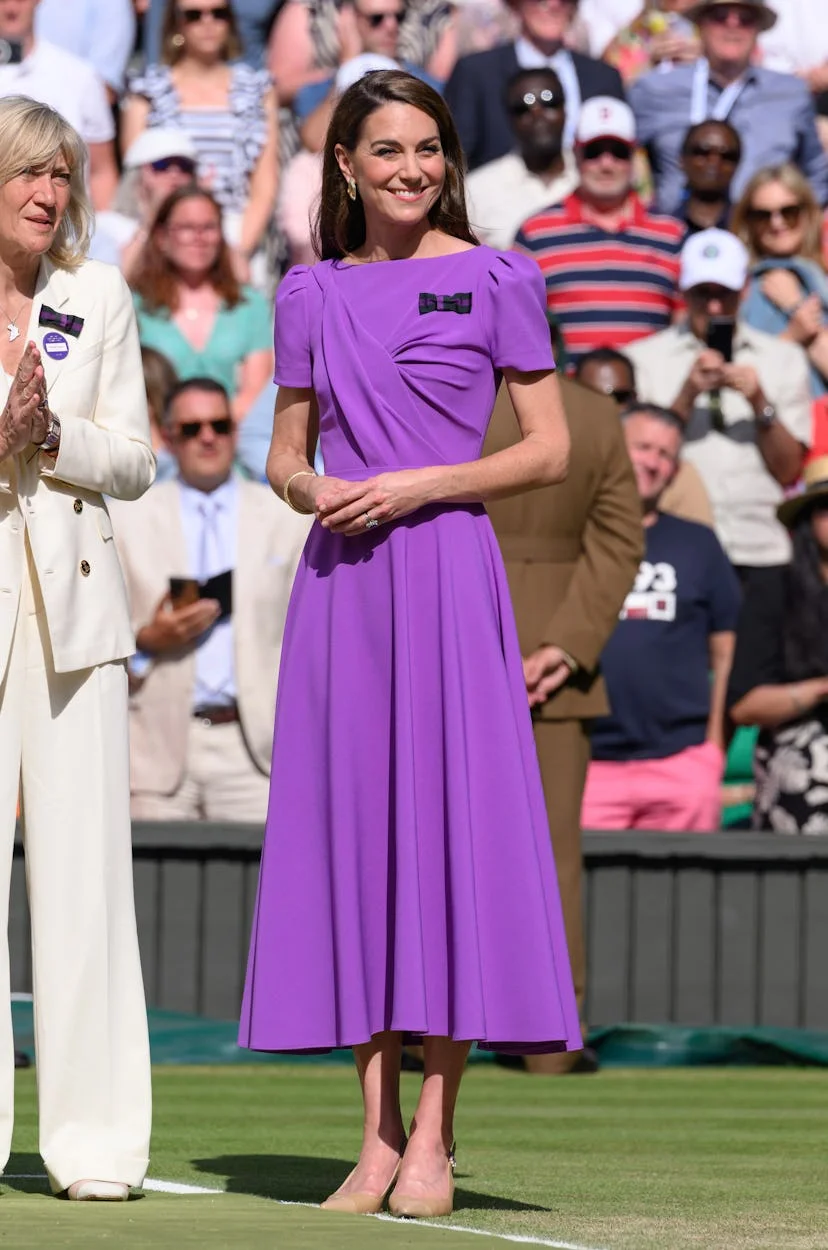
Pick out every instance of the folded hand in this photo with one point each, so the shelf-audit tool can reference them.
(25, 418)
(344, 507)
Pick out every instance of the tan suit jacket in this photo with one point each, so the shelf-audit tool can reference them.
(150, 538)
(96, 386)
(572, 551)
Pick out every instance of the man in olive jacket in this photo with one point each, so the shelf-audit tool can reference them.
(572, 552)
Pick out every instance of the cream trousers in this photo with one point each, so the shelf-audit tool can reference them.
(64, 748)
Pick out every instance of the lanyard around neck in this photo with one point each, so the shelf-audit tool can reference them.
(699, 110)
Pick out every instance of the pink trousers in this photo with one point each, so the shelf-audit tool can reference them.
(678, 794)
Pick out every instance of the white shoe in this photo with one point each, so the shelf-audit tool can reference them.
(98, 1191)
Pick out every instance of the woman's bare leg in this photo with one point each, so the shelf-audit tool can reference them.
(378, 1067)
(424, 1174)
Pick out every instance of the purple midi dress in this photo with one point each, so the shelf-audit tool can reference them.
(407, 879)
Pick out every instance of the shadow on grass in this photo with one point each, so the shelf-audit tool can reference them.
(299, 1178)
(26, 1175)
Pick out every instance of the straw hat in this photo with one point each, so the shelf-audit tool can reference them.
(765, 14)
(815, 478)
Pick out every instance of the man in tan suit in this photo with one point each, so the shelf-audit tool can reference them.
(204, 683)
(572, 552)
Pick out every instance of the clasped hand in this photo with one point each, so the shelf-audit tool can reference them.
(341, 506)
(25, 418)
(711, 372)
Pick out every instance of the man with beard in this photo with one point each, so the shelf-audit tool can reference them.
(538, 173)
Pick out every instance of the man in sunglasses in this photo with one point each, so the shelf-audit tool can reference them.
(209, 561)
(538, 172)
(710, 156)
(610, 266)
(744, 397)
(773, 113)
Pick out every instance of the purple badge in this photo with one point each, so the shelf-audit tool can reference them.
(55, 345)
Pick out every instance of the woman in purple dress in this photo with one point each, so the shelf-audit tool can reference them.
(407, 882)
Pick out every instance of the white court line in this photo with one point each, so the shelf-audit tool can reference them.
(161, 1187)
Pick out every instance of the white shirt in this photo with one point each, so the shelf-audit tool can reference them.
(799, 40)
(100, 32)
(604, 18)
(215, 680)
(503, 193)
(68, 84)
(743, 493)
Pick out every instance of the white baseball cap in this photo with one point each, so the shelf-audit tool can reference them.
(604, 117)
(157, 143)
(714, 256)
(357, 67)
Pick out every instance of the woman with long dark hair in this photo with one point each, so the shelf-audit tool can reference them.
(407, 881)
(779, 679)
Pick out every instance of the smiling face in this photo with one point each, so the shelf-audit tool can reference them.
(654, 447)
(32, 207)
(191, 237)
(777, 220)
(398, 165)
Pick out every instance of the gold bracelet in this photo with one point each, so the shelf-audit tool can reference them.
(286, 490)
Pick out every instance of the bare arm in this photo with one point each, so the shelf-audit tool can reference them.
(264, 183)
(103, 174)
(134, 116)
(442, 60)
(720, 650)
(255, 371)
(770, 706)
(290, 53)
(313, 129)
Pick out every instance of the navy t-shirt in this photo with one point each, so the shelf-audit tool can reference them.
(656, 664)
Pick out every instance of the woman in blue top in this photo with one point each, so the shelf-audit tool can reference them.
(191, 307)
(781, 223)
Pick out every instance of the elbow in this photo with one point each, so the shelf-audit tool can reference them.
(554, 465)
(742, 713)
(136, 482)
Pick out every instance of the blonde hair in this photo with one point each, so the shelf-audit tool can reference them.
(794, 181)
(32, 136)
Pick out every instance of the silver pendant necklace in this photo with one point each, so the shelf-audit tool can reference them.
(14, 332)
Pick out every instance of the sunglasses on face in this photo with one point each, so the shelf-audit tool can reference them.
(221, 426)
(621, 395)
(220, 14)
(746, 19)
(728, 156)
(705, 294)
(375, 20)
(606, 147)
(182, 163)
(790, 214)
(545, 99)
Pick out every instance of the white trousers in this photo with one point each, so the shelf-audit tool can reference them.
(64, 747)
(220, 781)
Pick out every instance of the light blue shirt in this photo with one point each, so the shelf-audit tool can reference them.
(215, 680)
(255, 433)
(102, 32)
(774, 115)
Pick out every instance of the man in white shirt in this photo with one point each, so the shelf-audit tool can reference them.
(747, 419)
(49, 74)
(209, 561)
(504, 192)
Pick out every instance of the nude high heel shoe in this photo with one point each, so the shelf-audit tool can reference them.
(361, 1203)
(426, 1208)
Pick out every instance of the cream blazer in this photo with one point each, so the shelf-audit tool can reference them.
(150, 538)
(96, 386)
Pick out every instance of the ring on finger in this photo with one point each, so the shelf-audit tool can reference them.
(371, 522)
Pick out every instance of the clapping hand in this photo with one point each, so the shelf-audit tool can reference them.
(25, 418)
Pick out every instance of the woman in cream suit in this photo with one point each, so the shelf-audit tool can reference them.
(73, 428)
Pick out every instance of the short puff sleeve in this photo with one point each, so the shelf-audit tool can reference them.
(291, 337)
(518, 330)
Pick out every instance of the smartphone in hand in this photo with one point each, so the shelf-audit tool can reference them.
(720, 332)
(184, 591)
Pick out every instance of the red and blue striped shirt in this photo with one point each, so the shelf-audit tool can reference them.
(605, 289)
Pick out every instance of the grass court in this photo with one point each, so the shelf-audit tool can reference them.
(681, 1159)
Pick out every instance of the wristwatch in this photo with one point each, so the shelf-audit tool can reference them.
(766, 417)
(52, 438)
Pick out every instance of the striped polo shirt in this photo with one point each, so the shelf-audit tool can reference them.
(605, 290)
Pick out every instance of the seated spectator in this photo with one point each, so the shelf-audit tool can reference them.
(208, 560)
(660, 37)
(710, 156)
(312, 38)
(658, 758)
(539, 172)
(773, 113)
(47, 73)
(611, 268)
(747, 420)
(254, 19)
(781, 222)
(475, 91)
(780, 671)
(158, 162)
(192, 308)
(227, 108)
(611, 373)
(100, 32)
(798, 44)
(159, 379)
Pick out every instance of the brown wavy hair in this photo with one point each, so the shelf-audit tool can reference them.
(157, 280)
(171, 52)
(339, 228)
(793, 180)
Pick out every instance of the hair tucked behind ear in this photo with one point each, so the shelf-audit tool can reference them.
(339, 228)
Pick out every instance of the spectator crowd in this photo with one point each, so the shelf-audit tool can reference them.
(664, 162)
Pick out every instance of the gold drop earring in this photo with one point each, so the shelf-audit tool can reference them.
(352, 188)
